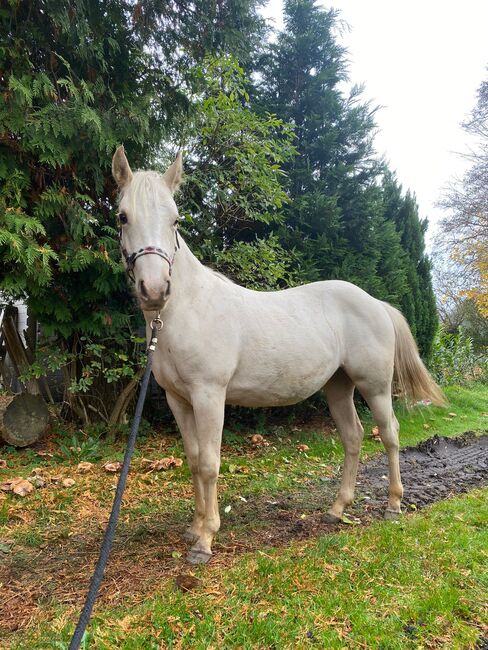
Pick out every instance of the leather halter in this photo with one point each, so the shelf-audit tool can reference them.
(130, 258)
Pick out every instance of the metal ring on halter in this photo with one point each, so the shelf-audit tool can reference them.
(156, 323)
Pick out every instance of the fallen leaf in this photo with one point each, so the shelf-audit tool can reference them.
(303, 447)
(227, 509)
(37, 481)
(5, 548)
(426, 426)
(37, 471)
(3, 463)
(21, 487)
(164, 463)
(452, 415)
(349, 519)
(375, 433)
(187, 582)
(484, 415)
(256, 439)
(68, 482)
(112, 467)
(44, 454)
(84, 467)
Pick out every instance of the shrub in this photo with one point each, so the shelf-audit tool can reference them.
(455, 361)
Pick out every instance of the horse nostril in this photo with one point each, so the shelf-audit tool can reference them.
(143, 290)
(168, 288)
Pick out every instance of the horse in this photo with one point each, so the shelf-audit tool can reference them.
(225, 344)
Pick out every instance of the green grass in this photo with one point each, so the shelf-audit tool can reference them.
(407, 585)
(420, 583)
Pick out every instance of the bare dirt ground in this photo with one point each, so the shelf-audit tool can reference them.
(35, 579)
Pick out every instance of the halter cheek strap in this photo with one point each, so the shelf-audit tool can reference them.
(130, 258)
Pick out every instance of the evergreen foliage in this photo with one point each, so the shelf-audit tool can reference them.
(346, 218)
(282, 182)
(233, 180)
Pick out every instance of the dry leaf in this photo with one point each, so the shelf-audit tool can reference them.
(164, 463)
(3, 463)
(256, 439)
(426, 426)
(18, 486)
(37, 471)
(44, 454)
(187, 582)
(302, 447)
(484, 415)
(68, 482)
(84, 467)
(375, 433)
(112, 467)
(37, 481)
(452, 415)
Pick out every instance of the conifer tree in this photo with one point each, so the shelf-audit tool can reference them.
(332, 179)
(341, 221)
(78, 78)
(418, 301)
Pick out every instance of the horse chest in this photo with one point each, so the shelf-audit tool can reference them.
(167, 373)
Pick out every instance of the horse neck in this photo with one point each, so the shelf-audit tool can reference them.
(187, 275)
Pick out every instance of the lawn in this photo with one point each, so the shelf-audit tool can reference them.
(419, 583)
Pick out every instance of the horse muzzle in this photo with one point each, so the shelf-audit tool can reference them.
(152, 297)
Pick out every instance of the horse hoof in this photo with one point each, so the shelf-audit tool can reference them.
(188, 536)
(198, 557)
(392, 515)
(331, 518)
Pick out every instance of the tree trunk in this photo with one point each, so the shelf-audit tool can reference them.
(123, 401)
(17, 353)
(24, 420)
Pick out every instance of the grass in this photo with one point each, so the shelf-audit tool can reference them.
(417, 584)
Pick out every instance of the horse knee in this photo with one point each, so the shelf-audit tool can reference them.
(209, 469)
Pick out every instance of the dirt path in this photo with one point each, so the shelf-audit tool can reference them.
(32, 579)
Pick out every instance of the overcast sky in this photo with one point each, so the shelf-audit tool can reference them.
(422, 61)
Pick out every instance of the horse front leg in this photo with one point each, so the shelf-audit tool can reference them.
(185, 419)
(208, 408)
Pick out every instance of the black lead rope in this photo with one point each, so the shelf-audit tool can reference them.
(77, 638)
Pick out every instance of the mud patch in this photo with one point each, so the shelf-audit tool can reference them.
(34, 581)
(435, 469)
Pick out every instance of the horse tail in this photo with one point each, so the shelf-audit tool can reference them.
(411, 378)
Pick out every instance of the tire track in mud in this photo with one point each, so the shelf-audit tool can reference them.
(435, 469)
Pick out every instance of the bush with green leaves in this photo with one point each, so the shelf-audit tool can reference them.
(455, 361)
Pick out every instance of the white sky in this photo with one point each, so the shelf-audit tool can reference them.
(422, 61)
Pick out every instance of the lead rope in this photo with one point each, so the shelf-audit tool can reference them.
(156, 325)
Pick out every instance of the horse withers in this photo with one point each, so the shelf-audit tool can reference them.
(225, 344)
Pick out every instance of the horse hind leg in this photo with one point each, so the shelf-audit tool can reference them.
(339, 391)
(381, 408)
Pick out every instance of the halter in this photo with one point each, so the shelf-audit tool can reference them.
(130, 258)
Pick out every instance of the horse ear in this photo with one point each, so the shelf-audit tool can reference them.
(121, 170)
(174, 174)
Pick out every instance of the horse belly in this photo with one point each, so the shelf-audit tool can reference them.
(279, 384)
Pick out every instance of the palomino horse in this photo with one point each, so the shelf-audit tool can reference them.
(224, 344)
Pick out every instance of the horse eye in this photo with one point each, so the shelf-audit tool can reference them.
(176, 223)
(122, 218)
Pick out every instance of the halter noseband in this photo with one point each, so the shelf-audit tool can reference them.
(130, 259)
